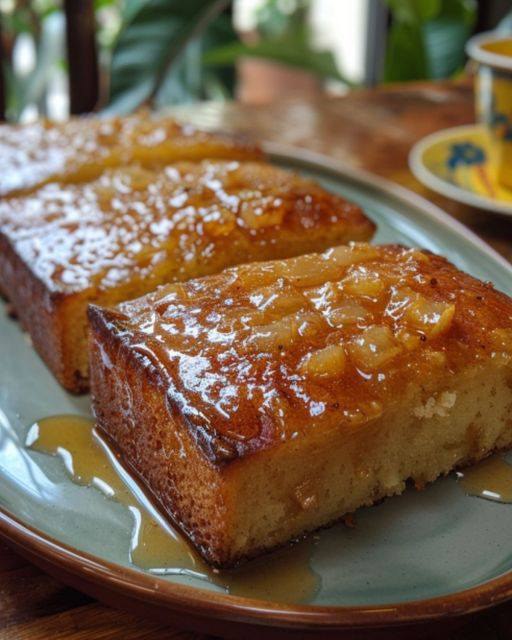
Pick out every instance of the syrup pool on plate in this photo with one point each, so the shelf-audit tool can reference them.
(490, 479)
(155, 546)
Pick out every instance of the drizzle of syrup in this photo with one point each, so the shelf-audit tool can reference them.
(490, 479)
(284, 576)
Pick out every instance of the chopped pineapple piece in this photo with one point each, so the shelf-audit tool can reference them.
(280, 298)
(362, 282)
(430, 317)
(373, 348)
(282, 333)
(409, 339)
(347, 313)
(327, 362)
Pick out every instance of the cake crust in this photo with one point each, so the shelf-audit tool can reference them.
(270, 399)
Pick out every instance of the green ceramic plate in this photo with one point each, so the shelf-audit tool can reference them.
(414, 557)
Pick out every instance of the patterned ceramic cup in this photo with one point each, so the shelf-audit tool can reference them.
(493, 93)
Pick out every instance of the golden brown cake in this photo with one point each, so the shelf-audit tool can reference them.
(81, 148)
(118, 237)
(271, 399)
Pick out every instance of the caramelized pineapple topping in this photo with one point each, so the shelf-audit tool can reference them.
(177, 222)
(264, 350)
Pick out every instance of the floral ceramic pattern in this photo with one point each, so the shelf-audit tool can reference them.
(458, 163)
(467, 164)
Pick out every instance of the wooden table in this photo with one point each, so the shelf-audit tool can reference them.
(370, 129)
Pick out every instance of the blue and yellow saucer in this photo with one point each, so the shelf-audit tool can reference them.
(456, 163)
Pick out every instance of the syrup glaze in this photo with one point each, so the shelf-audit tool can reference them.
(490, 479)
(262, 353)
(284, 576)
(135, 227)
(80, 148)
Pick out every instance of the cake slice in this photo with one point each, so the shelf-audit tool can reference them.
(120, 236)
(81, 148)
(271, 399)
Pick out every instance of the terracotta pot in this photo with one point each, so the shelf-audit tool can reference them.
(262, 81)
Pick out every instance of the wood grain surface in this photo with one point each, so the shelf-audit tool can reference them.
(370, 129)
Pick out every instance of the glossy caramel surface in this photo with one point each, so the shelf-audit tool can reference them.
(183, 221)
(79, 148)
(264, 353)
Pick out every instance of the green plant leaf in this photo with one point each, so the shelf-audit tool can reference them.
(188, 81)
(463, 10)
(414, 11)
(274, 19)
(444, 40)
(183, 82)
(219, 81)
(400, 66)
(154, 36)
(427, 40)
(101, 4)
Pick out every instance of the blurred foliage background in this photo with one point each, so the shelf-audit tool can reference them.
(426, 38)
(161, 52)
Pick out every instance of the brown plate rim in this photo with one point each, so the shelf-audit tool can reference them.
(196, 601)
(238, 610)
